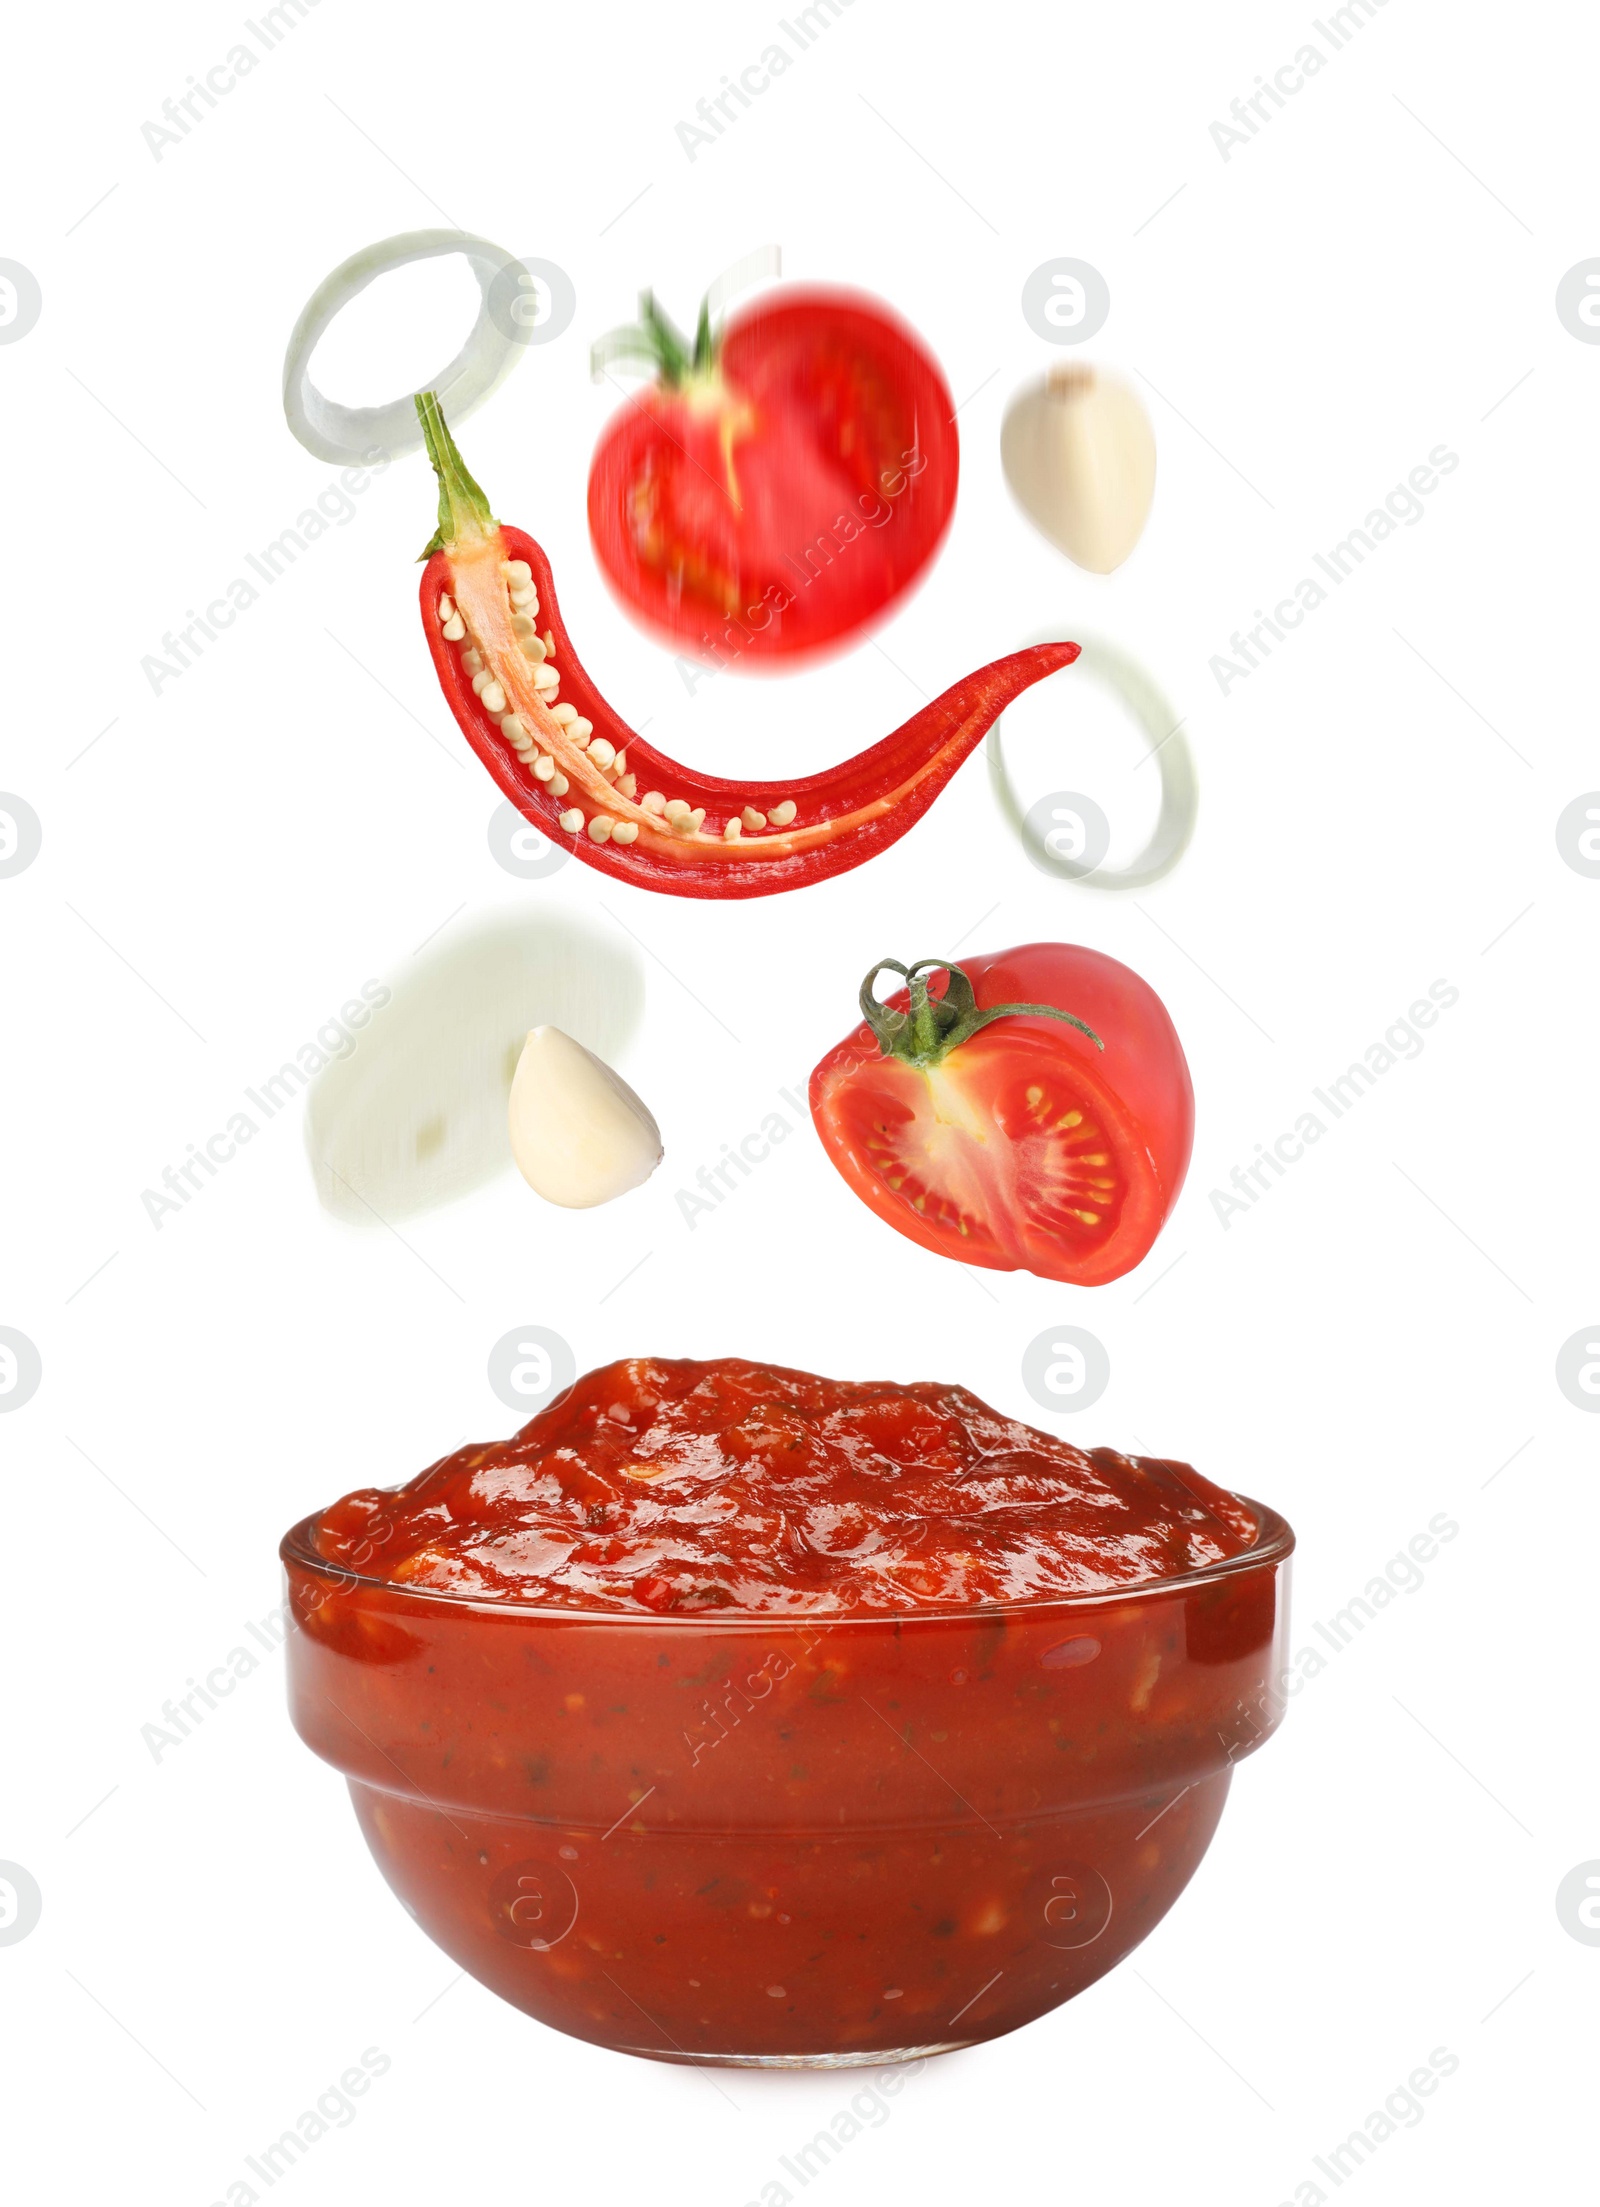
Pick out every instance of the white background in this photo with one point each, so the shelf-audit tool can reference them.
(1375, 1342)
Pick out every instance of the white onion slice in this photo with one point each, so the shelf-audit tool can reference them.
(1180, 785)
(346, 434)
(414, 1115)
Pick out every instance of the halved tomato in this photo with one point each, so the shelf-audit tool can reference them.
(1033, 1115)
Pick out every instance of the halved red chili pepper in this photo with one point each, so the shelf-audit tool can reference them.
(575, 769)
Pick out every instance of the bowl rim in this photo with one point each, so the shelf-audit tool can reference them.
(1274, 1545)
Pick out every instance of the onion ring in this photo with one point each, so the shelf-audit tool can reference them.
(353, 433)
(1180, 785)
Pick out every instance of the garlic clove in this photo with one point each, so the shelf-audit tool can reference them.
(1080, 456)
(579, 1134)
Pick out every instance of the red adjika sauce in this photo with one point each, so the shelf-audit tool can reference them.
(667, 1485)
(732, 1714)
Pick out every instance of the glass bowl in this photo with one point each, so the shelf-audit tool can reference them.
(789, 1841)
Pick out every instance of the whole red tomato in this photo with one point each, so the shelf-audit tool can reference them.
(1035, 1116)
(780, 484)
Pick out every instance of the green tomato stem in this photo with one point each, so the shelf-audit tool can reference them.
(935, 1025)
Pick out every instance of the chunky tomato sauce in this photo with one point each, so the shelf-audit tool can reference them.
(730, 1714)
(670, 1485)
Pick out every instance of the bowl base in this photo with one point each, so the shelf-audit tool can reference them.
(802, 2061)
(727, 1964)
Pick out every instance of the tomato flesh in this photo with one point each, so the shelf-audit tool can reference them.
(990, 1153)
(1024, 1149)
(777, 506)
